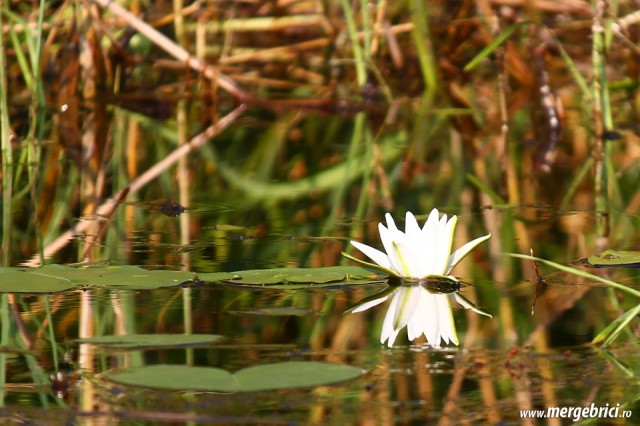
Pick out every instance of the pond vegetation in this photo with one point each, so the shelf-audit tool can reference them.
(180, 178)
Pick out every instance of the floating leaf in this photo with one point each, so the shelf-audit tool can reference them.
(294, 374)
(21, 280)
(297, 277)
(56, 278)
(153, 340)
(282, 375)
(612, 258)
(121, 277)
(277, 311)
(176, 377)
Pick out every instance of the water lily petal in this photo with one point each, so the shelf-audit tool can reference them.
(366, 304)
(420, 260)
(429, 246)
(387, 325)
(421, 316)
(413, 233)
(432, 221)
(392, 338)
(429, 318)
(374, 254)
(460, 253)
(407, 301)
(371, 265)
(467, 304)
(391, 224)
(445, 316)
(386, 237)
(445, 241)
(414, 326)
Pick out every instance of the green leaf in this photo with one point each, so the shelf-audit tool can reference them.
(613, 330)
(20, 280)
(610, 258)
(491, 47)
(132, 341)
(277, 311)
(56, 278)
(297, 277)
(578, 273)
(120, 277)
(282, 375)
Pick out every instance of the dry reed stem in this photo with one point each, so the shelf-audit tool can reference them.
(268, 23)
(276, 53)
(551, 6)
(174, 49)
(106, 209)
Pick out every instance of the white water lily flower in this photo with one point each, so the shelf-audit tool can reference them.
(417, 255)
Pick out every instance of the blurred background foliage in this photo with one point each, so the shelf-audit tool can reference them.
(242, 134)
(353, 109)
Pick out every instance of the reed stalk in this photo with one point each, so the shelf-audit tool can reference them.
(7, 154)
(52, 333)
(601, 119)
(358, 54)
(4, 342)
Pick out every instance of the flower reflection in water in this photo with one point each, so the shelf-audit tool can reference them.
(419, 262)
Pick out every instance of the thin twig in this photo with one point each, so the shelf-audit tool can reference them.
(173, 48)
(109, 205)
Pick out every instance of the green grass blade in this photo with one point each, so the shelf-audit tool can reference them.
(613, 330)
(578, 273)
(491, 47)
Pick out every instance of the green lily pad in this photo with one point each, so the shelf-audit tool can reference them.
(298, 277)
(282, 375)
(121, 276)
(133, 341)
(277, 311)
(612, 258)
(56, 278)
(21, 280)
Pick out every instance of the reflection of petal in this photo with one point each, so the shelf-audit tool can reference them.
(467, 304)
(422, 318)
(408, 298)
(459, 254)
(374, 254)
(369, 304)
(371, 301)
(429, 321)
(387, 325)
(445, 316)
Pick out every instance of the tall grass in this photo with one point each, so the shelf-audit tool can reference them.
(372, 108)
(7, 154)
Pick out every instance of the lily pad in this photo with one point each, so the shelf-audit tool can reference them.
(613, 258)
(57, 278)
(298, 277)
(21, 280)
(276, 311)
(134, 341)
(282, 375)
(121, 277)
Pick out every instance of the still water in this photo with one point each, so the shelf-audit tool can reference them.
(512, 362)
